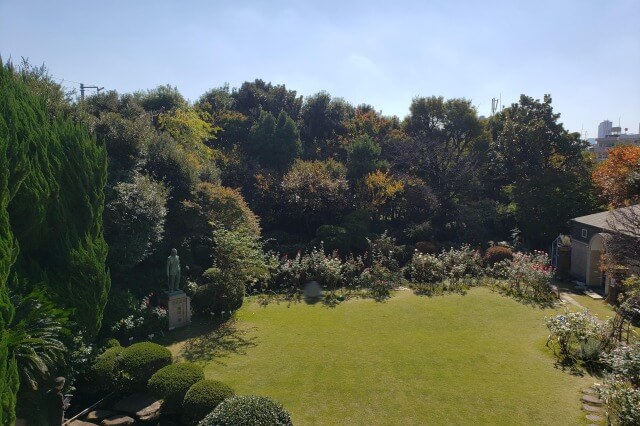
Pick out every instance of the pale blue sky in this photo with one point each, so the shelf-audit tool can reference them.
(585, 53)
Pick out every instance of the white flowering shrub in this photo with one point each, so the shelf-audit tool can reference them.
(622, 401)
(426, 268)
(578, 336)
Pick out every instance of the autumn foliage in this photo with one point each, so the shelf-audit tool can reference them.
(612, 176)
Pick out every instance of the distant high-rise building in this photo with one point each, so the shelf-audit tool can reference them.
(604, 129)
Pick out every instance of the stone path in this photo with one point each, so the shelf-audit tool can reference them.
(592, 406)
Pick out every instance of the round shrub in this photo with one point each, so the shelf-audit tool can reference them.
(497, 254)
(247, 411)
(102, 371)
(202, 398)
(137, 363)
(172, 382)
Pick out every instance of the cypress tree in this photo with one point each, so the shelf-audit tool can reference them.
(52, 177)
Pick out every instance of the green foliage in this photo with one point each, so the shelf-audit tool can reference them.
(526, 277)
(248, 411)
(324, 121)
(126, 140)
(52, 175)
(226, 207)
(202, 398)
(541, 168)
(35, 337)
(578, 337)
(622, 401)
(162, 98)
(363, 156)
(274, 143)
(238, 262)
(217, 294)
(379, 280)
(624, 361)
(136, 364)
(102, 373)
(134, 221)
(253, 97)
(172, 382)
(334, 238)
(316, 191)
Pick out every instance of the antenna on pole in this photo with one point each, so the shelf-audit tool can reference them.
(83, 87)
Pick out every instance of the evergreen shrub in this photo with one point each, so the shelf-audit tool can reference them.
(172, 382)
(102, 372)
(202, 398)
(137, 363)
(248, 411)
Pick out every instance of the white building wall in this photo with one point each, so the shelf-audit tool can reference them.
(604, 128)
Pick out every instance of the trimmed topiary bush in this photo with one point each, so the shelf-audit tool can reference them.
(202, 398)
(102, 372)
(137, 363)
(172, 382)
(247, 411)
(497, 254)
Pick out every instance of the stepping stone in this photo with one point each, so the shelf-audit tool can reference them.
(591, 408)
(80, 423)
(592, 399)
(594, 418)
(98, 415)
(134, 403)
(119, 420)
(590, 391)
(150, 413)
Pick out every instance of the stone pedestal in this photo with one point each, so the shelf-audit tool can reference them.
(178, 308)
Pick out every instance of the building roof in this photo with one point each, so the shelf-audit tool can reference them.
(610, 220)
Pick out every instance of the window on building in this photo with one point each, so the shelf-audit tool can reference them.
(584, 233)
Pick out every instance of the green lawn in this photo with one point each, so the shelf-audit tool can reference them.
(472, 359)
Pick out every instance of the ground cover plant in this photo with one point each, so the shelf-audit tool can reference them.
(458, 359)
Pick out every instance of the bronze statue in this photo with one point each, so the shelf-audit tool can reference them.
(173, 271)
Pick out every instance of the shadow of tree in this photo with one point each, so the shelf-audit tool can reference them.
(218, 343)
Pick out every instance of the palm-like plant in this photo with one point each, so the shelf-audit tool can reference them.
(35, 336)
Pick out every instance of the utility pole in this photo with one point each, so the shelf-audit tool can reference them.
(83, 87)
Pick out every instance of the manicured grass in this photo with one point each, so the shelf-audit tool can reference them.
(472, 359)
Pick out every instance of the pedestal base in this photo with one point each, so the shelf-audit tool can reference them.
(178, 308)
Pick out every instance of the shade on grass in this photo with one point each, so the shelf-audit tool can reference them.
(473, 359)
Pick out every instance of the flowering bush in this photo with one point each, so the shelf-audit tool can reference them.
(461, 263)
(526, 276)
(578, 336)
(145, 320)
(620, 392)
(426, 268)
(450, 270)
(622, 401)
(292, 274)
(379, 280)
(624, 361)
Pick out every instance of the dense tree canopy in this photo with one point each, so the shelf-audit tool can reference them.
(617, 178)
(540, 168)
(51, 203)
